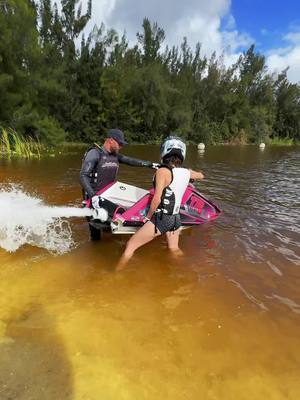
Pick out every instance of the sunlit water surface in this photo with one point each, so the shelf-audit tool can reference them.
(221, 323)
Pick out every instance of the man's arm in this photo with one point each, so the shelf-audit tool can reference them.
(88, 166)
(135, 162)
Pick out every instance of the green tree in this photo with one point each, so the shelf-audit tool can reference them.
(73, 22)
(19, 57)
(56, 83)
(151, 40)
(288, 108)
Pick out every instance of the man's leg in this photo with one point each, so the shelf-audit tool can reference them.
(95, 234)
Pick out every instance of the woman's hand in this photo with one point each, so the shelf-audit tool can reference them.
(197, 176)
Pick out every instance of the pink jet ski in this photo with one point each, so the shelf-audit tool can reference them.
(127, 205)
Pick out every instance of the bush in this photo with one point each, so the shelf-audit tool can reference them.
(49, 132)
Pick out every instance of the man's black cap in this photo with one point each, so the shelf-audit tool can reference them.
(117, 135)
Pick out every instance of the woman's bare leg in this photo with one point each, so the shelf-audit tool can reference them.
(144, 235)
(173, 240)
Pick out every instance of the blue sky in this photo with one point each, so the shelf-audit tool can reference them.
(225, 26)
(267, 21)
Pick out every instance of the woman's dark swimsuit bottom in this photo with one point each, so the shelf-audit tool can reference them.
(166, 223)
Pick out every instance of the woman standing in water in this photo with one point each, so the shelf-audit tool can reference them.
(170, 183)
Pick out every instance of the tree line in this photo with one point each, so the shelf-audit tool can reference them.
(57, 84)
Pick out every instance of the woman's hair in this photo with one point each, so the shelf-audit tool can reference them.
(172, 160)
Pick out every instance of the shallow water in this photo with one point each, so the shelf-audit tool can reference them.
(221, 323)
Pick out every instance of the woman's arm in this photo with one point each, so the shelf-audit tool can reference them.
(162, 178)
(196, 175)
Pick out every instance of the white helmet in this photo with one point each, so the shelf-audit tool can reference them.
(173, 145)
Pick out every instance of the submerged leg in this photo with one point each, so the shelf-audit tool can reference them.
(95, 234)
(144, 235)
(173, 241)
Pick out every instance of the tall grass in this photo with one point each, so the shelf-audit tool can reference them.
(5, 143)
(276, 141)
(12, 143)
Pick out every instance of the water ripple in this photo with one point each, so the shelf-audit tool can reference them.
(259, 231)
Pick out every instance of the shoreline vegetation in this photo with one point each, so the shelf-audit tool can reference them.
(59, 85)
(13, 144)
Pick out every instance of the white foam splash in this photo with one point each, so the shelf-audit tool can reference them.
(27, 220)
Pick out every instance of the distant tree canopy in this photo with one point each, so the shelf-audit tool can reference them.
(54, 87)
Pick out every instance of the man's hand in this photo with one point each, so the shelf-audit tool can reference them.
(95, 202)
(100, 213)
(155, 166)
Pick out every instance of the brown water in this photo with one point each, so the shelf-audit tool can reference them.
(222, 323)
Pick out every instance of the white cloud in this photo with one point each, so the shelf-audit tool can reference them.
(209, 22)
(277, 63)
(289, 56)
(230, 22)
(101, 12)
(198, 20)
(293, 37)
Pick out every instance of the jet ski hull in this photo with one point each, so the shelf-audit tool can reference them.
(128, 205)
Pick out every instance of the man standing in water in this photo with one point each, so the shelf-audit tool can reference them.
(100, 167)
